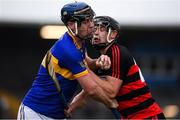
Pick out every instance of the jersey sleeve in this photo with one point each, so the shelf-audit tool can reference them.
(74, 61)
(70, 63)
(127, 59)
(115, 56)
(132, 71)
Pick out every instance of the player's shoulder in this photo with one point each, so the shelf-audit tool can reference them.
(64, 47)
(124, 50)
(64, 41)
(117, 47)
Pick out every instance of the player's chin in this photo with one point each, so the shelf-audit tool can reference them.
(89, 36)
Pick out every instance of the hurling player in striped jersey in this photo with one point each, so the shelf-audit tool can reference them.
(63, 68)
(124, 80)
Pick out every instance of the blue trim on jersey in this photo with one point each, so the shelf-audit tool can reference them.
(43, 96)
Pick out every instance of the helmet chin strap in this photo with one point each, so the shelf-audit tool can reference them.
(75, 34)
(76, 29)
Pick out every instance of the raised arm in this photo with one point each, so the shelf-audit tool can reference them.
(91, 63)
(103, 62)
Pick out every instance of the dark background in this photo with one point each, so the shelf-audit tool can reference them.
(156, 50)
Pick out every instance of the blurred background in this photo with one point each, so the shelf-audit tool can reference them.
(150, 30)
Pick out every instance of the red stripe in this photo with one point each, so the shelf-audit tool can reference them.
(134, 101)
(152, 110)
(118, 62)
(112, 61)
(134, 68)
(131, 87)
(115, 62)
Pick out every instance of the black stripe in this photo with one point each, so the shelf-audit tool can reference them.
(159, 116)
(132, 78)
(133, 94)
(141, 106)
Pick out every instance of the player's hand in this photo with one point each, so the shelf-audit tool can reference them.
(68, 112)
(103, 62)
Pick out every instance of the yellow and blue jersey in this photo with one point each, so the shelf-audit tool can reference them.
(67, 58)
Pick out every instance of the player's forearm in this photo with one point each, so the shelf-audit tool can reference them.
(100, 95)
(91, 63)
(103, 98)
(78, 101)
(81, 98)
(94, 90)
(106, 85)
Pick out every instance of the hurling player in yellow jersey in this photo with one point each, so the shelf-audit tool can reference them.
(63, 68)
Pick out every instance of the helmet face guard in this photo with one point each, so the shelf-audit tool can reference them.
(110, 24)
(82, 16)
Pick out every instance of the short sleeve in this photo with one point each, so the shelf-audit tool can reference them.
(74, 61)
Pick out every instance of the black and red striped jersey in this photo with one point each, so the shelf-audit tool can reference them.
(134, 97)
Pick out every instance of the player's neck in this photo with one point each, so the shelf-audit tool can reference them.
(104, 50)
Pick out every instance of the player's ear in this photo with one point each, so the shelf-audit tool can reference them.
(71, 25)
(114, 33)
